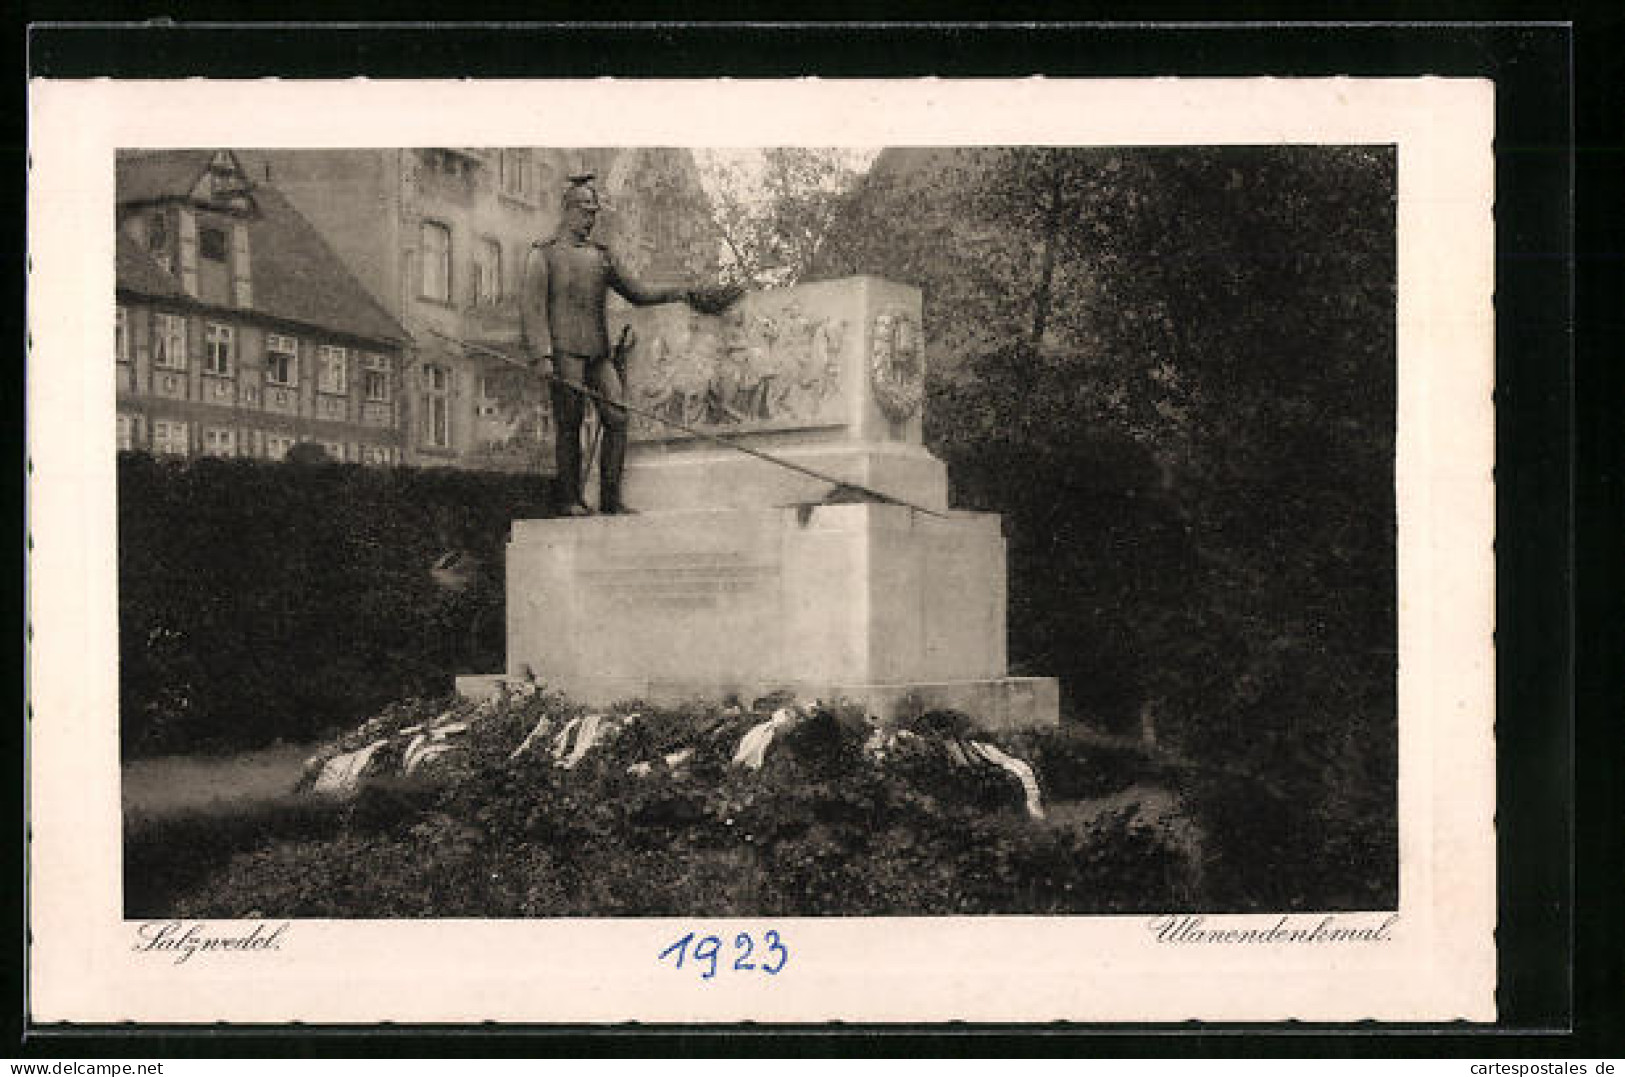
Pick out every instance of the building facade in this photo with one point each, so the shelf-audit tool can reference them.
(438, 237)
(238, 331)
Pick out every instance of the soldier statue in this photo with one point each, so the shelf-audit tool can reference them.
(567, 279)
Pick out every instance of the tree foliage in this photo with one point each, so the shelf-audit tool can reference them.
(1172, 369)
(775, 208)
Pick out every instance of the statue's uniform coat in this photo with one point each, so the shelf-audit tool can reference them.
(562, 315)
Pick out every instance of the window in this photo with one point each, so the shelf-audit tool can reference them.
(488, 404)
(488, 272)
(335, 450)
(331, 376)
(377, 455)
(121, 334)
(157, 232)
(219, 349)
(277, 445)
(436, 407)
(169, 341)
(218, 441)
(170, 437)
(518, 175)
(375, 377)
(281, 360)
(211, 243)
(435, 242)
(126, 431)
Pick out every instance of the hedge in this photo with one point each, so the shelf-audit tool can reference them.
(267, 601)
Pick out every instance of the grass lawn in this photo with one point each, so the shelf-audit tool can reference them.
(167, 785)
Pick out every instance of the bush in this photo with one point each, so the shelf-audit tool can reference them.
(262, 601)
(824, 828)
(168, 855)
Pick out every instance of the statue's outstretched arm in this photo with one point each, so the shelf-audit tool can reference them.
(707, 299)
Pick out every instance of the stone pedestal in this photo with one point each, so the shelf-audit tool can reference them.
(872, 603)
(736, 580)
(665, 480)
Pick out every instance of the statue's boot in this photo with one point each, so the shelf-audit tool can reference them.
(567, 450)
(610, 469)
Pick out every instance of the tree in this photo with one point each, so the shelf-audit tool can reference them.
(774, 207)
(1172, 369)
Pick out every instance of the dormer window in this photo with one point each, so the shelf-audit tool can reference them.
(157, 232)
(211, 243)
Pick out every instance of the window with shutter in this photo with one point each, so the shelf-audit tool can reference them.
(281, 359)
(242, 282)
(188, 252)
(169, 341)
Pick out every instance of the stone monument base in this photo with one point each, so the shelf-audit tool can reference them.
(661, 479)
(879, 604)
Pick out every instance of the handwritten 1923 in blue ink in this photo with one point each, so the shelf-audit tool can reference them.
(707, 954)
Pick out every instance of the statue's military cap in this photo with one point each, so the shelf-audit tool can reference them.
(581, 191)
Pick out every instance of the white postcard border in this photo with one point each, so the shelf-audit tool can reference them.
(1438, 962)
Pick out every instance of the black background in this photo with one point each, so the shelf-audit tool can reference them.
(1560, 995)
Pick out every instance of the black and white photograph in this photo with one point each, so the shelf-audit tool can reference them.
(959, 530)
(871, 532)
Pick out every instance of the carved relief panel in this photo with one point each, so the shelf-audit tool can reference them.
(758, 366)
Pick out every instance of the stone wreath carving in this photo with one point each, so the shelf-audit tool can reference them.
(896, 365)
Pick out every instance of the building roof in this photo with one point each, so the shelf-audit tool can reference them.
(153, 175)
(138, 271)
(296, 276)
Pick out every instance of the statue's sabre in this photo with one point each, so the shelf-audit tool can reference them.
(715, 439)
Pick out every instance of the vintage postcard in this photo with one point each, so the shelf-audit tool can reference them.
(782, 551)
